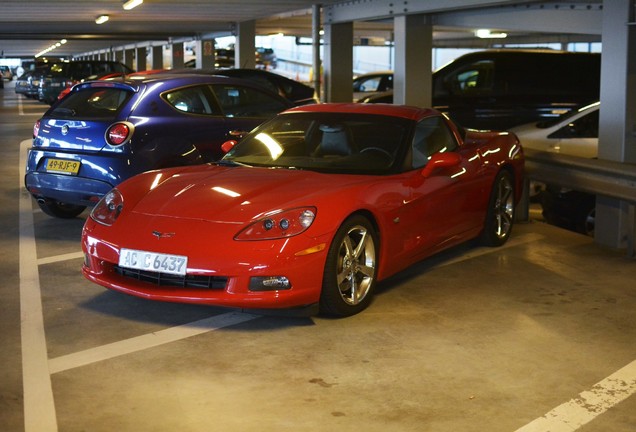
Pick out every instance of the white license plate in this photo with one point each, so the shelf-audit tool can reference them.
(151, 261)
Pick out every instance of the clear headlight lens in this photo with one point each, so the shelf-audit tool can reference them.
(108, 208)
(279, 224)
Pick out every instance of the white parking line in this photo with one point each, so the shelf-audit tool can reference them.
(21, 108)
(139, 343)
(39, 408)
(588, 405)
(59, 258)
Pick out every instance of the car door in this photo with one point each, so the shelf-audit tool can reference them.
(578, 137)
(441, 208)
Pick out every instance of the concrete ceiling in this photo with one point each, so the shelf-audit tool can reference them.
(29, 26)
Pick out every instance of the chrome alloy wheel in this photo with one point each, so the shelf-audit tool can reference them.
(504, 207)
(355, 265)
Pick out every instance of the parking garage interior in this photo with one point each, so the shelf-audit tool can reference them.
(534, 336)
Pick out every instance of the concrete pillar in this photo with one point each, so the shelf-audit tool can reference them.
(413, 78)
(338, 62)
(177, 55)
(156, 57)
(245, 48)
(316, 64)
(129, 57)
(617, 121)
(205, 57)
(141, 63)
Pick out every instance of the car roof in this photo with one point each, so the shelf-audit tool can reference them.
(402, 111)
(139, 80)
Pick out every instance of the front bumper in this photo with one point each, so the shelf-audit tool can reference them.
(231, 263)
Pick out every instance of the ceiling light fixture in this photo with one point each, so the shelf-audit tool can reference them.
(487, 34)
(101, 19)
(130, 4)
(51, 48)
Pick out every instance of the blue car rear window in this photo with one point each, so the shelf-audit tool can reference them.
(92, 103)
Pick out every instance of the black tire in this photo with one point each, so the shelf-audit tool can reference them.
(586, 220)
(350, 270)
(59, 209)
(500, 215)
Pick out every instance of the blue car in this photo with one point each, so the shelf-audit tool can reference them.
(104, 132)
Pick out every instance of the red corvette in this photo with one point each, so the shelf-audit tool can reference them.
(308, 212)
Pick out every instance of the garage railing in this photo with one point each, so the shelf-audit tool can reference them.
(599, 177)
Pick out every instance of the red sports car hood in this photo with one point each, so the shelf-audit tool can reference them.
(235, 194)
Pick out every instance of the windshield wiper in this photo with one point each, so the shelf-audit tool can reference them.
(229, 162)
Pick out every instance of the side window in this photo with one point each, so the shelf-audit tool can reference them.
(191, 100)
(370, 84)
(474, 79)
(585, 127)
(431, 136)
(237, 101)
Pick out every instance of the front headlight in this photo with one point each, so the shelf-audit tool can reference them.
(279, 224)
(108, 208)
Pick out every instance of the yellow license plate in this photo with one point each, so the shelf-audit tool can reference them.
(63, 166)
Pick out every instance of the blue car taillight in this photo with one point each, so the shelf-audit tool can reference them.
(36, 129)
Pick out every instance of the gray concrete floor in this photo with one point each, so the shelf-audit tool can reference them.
(474, 339)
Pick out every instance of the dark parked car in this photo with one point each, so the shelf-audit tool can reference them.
(499, 89)
(266, 58)
(104, 132)
(294, 91)
(27, 84)
(60, 75)
(297, 93)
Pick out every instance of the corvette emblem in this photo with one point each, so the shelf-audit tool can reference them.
(159, 234)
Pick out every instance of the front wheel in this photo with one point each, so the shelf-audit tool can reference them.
(500, 214)
(350, 270)
(60, 209)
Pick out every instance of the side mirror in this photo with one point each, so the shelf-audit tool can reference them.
(440, 160)
(228, 145)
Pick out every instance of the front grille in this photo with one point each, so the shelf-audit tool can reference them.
(166, 279)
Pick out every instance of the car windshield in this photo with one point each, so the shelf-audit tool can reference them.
(327, 142)
(92, 103)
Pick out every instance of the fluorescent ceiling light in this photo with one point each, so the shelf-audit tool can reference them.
(132, 4)
(487, 34)
(101, 19)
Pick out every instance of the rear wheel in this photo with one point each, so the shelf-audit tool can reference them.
(60, 209)
(350, 270)
(501, 211)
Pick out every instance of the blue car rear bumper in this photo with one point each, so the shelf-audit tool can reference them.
(85, 188)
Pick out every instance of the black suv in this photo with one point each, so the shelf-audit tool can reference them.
(60, 75)
(499, 89)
